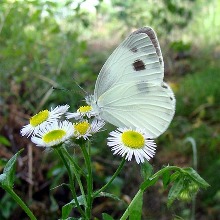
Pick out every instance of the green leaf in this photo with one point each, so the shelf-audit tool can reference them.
(148, 182)
(9, 206)
(166, 179)
(105, 194)
(4, 141)
(174, 176)
(54, 206)
(135, 208)
(196, 177)
(72, 218)
(106, 217)
(146, 170)
(7, 178)
(66, 209)
(175, 190)
(2, 177)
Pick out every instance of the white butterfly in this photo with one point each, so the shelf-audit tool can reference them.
(129, 91)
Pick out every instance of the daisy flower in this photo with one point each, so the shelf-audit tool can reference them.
(53, 134)
(82, 111)
(131, 142)
(42, 118)
(84, 129)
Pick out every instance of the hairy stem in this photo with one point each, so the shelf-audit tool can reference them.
(112, 178)
(21, 203)
(87, 157)
(71, 181)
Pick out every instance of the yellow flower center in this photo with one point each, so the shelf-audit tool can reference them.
(82, 127)
(39, 118)
(54, 135)
(133, 139)
(84, 109)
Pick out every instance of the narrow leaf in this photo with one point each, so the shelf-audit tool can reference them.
(174, 176)
(146, 170)
(9, 171)
(72, 218)
(105, 194)
(2, 178)
(149, 182)
(106, 217)
(175, 190)
(66, 209)
(196, 177)
(135, 209)
(4, 141)
(166, 179)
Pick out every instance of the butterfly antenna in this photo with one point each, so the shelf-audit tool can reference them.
(69, 90)
(62, 89)
(81, 88)
(72, 90)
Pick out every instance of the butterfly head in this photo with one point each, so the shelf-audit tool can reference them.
(90, 100)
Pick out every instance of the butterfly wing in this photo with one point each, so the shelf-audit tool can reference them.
(144, 105)
(130, 91)
(137, 58)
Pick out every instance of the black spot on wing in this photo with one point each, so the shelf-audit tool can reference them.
(134, 49)
(164, 86)
(142, 87)
(139, 65)
(171, 98)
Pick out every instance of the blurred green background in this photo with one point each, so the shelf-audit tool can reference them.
(46, 44)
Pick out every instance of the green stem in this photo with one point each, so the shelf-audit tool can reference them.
(71, 181)
(74, 164)
(145, 185)
(126, 213)
(76, 170)
(195, 165)
(89, 179)
(155, 176)
(112, 178)
(160, 172)
(21, 203)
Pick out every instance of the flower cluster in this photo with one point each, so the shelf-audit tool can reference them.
(53, 128)
(49, 129)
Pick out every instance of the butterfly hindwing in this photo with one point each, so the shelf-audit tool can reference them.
(146, 105)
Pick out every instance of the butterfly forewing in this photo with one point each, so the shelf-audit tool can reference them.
(135, 59)
(153, 37)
